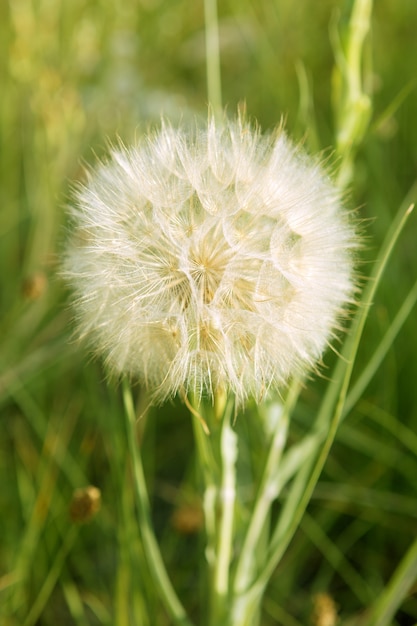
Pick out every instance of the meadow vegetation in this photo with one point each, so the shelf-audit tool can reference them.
(76, 74)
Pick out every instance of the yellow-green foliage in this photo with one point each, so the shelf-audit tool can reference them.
(77, 73)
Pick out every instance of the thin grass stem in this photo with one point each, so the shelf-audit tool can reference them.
(353, 104)
(150, 545)
(329, 415)
(391, 598)
(266, 494)
(378, 356)
(214, 88)
(52, 577)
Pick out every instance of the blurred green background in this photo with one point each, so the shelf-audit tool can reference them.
(76, 74)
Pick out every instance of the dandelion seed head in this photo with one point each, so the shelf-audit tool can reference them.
(211, 258)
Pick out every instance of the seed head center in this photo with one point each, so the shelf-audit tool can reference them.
(207, 268)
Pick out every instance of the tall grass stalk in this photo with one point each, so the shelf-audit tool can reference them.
(73, 73)
(213, 71)
(154, 559)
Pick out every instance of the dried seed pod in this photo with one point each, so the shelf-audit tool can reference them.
(85, 504)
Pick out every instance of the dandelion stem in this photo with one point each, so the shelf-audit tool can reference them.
(227, 496)
(209, 469)
(266, 494)
(214, 89)
(246, 597)
(150, 545)
(217, 455)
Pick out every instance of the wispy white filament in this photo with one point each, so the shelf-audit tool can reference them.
(210, 258)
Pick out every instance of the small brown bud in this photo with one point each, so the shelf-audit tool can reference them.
(85, 504)
(324, 610)
(188, 519)
(34, 286)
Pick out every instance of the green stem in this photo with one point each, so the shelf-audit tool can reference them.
(209, 471)
(227, 498)
(329, 415)
(354, 105)
(381, 351)
(150, 545)
(217, 455)
(214, 89)
(266, 494)
(391, 598)
(52, 577)
(358, 29)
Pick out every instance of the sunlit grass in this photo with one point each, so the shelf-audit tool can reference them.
(74, 74)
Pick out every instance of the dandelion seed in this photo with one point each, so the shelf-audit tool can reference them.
(211, 259)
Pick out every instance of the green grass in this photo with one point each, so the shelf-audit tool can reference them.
(73, 75)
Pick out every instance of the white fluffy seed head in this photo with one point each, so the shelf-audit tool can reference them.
(210, 258)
